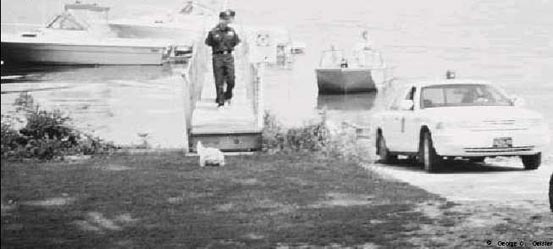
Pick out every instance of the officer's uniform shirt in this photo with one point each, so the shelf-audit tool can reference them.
(222, 39)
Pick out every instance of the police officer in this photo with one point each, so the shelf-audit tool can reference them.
(222, 40)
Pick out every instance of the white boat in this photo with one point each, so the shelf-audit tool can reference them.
(182, 27)
(365, 71)
(79, 36)
(192, 22)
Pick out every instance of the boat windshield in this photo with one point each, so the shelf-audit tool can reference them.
(368, 58)
(194, 8)
(66, 21)
(365, 58)
(80, 16)
(462, 95)
(332, 58)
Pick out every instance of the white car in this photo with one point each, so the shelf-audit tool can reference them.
(458, 118)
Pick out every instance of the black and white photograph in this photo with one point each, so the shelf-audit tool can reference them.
(276, 124)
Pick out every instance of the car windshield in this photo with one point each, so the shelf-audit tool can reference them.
(462, 95)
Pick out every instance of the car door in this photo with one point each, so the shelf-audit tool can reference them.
(396, 123)
(385, 120)
(409, 125)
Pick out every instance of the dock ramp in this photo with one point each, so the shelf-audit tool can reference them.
(235, 127)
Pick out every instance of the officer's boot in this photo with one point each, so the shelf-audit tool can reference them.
(220, 96)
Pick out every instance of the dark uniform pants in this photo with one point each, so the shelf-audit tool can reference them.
(223, 70)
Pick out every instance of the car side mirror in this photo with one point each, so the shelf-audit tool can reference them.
(406, 105)
(518, 101)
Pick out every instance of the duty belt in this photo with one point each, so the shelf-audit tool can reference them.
(223, 52)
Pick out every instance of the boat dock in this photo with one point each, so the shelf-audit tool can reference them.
(235, 127)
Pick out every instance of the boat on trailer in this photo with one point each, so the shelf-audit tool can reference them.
(365, 71)
(80, 36)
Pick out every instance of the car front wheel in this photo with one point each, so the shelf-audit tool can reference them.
(383, 151)
(430, 159)
(532, 161)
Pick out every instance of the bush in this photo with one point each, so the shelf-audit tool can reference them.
(273, 137)
(321, 137)
(45, 135)
(313, 137)
(10, 137)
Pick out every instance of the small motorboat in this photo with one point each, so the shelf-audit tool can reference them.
(80, 36)
(365, 71)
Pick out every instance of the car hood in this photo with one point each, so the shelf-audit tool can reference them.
(480, 113)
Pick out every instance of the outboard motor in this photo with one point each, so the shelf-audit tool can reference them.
(450, 75)
(344, 63)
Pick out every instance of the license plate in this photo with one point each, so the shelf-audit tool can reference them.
(503, 142)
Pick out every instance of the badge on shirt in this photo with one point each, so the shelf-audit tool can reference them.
(230, 33)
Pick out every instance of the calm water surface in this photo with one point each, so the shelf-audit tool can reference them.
(508, 42)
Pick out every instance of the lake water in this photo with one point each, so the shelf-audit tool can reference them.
(508, 42)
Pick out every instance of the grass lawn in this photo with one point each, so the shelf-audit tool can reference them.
(167, 201)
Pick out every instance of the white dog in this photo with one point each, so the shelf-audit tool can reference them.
(210, 156)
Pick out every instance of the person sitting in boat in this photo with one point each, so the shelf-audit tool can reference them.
(366, 44)
(363, 52)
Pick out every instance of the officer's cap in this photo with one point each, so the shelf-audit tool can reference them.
(227, 14)
(232, 13)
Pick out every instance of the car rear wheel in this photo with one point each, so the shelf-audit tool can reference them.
(430, 159)
(383, 151)
(532, 161)
(551, 193)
